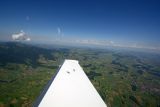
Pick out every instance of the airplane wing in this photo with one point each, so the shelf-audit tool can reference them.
(70, 88)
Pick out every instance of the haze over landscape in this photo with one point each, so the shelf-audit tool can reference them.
(116, 42)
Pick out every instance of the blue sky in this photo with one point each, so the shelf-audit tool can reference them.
(134, 23)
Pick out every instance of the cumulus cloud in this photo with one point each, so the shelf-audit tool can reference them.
(20, 36)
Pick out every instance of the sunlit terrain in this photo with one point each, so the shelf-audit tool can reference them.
(122, 78)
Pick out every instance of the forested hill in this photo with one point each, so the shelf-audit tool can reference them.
(15, 52)
(24, 71)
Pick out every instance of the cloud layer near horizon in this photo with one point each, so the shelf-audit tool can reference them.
(20, 36)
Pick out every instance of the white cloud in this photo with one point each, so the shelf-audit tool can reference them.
(20, 36)
(111, 42)
(28, 39)
(59, 31)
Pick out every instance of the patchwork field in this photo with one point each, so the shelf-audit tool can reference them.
(122, 78)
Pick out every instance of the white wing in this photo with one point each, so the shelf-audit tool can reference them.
(71, 88)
